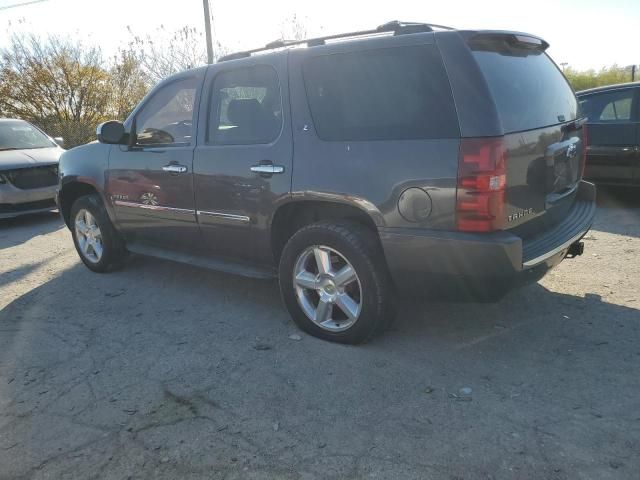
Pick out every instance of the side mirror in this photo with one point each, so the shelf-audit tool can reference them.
(59, 141)
(111, 132)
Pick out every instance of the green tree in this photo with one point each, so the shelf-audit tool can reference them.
(583, 79)
(66, 88)
(128, 84)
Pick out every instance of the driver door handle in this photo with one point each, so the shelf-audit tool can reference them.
(174, 168)
(267, 168)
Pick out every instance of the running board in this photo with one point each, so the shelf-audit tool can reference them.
(218, 264)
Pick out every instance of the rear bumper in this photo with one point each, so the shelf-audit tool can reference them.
(467, 266)
(15, 202)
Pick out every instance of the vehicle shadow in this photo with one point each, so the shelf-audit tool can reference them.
(16, 274)
(160, 293)
(618, 211)
(462, 325)
(618, 197)
(28, 226)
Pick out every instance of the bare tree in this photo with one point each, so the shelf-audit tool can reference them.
(293, 28)
(166, 53)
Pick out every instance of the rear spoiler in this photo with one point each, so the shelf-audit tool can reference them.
(506, 43)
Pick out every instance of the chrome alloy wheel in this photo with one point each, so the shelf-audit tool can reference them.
(89, 236)
(328, 288)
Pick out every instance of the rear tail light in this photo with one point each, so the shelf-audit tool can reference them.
(482, 179)
(585, 145)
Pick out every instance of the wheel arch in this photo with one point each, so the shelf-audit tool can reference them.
(297, 213)
(69, 192)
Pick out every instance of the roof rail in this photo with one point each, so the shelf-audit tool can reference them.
(395, 26)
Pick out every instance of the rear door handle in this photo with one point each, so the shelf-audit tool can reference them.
(173, 168)
(267, 168)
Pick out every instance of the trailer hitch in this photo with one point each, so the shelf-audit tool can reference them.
(576, 249)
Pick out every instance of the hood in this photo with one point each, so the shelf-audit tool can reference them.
(32, 157)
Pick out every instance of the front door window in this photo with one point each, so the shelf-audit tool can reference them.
(167, 118)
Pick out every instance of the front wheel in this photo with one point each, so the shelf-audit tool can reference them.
(334, 282)
(94, 237)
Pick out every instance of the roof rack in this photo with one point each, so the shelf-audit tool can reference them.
(395, 26)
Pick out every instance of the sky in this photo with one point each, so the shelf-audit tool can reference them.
(584, 34)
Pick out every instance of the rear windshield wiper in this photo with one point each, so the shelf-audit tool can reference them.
(574, 125)
(8, 148)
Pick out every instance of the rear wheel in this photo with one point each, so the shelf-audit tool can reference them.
(94, 237)
(334, 282)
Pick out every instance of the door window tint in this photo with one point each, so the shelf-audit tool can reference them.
(609, 107)
(388, 94)
(167, 118)
(246, 107)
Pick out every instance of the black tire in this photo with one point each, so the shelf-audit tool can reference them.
(114, 252)
(360, 248)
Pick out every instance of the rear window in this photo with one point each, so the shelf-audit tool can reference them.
(529, 90)
(389, 94)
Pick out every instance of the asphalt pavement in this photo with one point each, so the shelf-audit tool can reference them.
(167, 371)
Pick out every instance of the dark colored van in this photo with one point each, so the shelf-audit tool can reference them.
(359, 169)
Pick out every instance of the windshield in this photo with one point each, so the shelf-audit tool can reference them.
(18, 135)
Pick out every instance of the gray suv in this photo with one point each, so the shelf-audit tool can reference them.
(411, 159)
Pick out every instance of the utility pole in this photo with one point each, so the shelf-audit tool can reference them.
(633, 73)
(564, 65)
(207, 29)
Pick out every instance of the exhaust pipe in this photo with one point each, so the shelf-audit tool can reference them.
(576, 249)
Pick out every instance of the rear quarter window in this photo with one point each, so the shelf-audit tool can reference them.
(399, 93)
(528, 89)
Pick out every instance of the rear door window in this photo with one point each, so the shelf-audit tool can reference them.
(529, 90)
(246, 107)
(608, 107)
(388, 94)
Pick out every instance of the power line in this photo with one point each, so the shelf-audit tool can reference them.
(16, 5)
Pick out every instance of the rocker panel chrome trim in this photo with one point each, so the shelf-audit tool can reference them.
(157, 208)
(226, 216)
